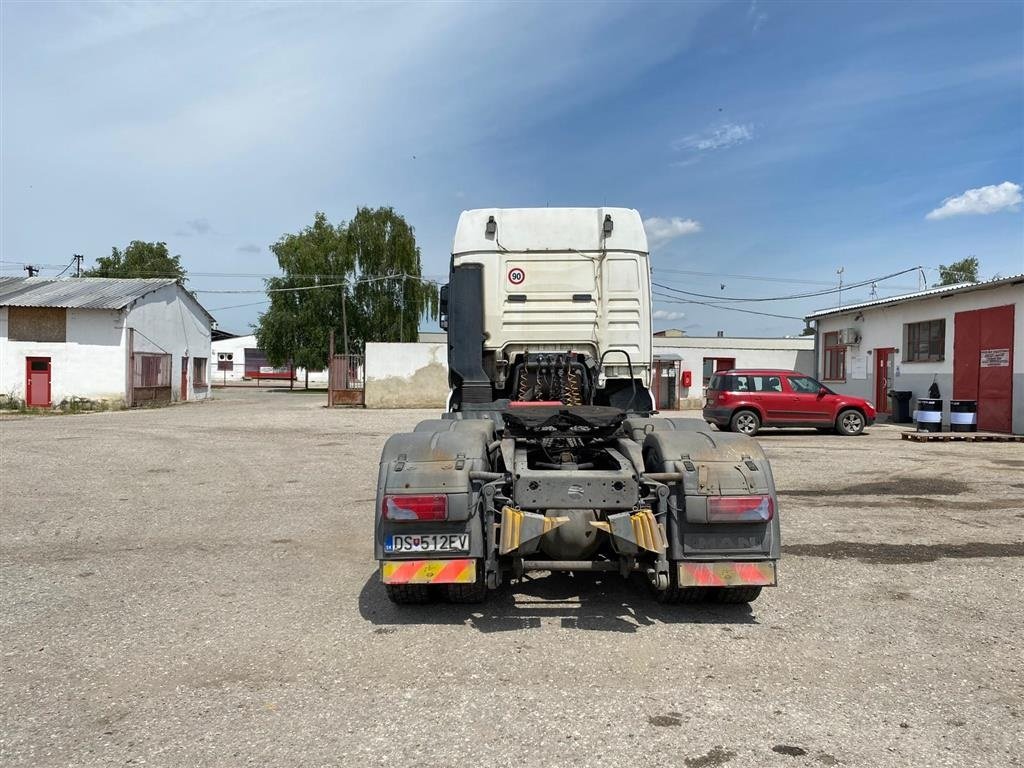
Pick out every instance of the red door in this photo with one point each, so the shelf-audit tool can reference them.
(37, 382)
(883, 375)
(184, 378)
(983, 364)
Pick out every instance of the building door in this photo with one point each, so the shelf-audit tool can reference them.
(883, 375)
(983, 364)
(184, 378)
(37, 382)
(666, 387)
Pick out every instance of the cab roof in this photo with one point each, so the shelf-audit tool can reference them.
(558, 230)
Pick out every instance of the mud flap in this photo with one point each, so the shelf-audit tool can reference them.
(727, 574)
(428, 571)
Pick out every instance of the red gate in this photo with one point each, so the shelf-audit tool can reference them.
(983, 364)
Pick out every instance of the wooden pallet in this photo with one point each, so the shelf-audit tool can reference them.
(969, 437)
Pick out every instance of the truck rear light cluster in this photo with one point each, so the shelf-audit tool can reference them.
(410, 509)
(740, 509)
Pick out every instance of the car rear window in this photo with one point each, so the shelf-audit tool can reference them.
(740, 383)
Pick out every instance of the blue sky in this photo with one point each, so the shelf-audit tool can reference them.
(779, 140)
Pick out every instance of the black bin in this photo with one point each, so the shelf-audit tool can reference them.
(928, 415)
(963, 415)
(900, 406)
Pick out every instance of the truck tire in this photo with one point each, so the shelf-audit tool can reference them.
(850, 422)
(682, 595)
(468, 593)
(737, 594)
(746, 422)
(408, 594)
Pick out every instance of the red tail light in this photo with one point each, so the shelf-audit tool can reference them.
(410, 509)
(740, 509)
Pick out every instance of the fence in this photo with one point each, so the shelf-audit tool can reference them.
(345, 380)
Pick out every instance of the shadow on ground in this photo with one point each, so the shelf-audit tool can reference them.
(582, 601)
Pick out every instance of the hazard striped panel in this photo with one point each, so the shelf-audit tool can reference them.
(428, 571)
(727, 574)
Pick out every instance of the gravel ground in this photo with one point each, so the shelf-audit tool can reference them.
(195, 586)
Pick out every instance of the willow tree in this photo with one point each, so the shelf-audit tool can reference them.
(388, 297)
(361, 278)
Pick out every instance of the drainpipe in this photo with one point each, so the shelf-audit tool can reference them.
(817, 328)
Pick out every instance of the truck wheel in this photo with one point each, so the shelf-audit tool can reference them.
(408, 594)
(737, 594)
(468, 593)
(850, 422)
(745, 422)
(682, 595)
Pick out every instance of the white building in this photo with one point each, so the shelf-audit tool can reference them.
(238, 358)
(966, 339)
(101, 340)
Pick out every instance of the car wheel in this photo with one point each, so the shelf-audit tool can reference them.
(745, 422)
(850, 423)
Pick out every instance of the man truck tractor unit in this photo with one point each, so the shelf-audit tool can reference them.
(550, 457)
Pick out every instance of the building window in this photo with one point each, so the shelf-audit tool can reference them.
(199, 366)
(37, 324)
(834, 366)
(924, 342)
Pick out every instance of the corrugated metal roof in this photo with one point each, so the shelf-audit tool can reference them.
(77, 292)
(942, 290)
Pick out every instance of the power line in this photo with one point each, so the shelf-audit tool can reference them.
(236, 306)
(786, 298)
(666, 299)
(323, 285)
(758, 278)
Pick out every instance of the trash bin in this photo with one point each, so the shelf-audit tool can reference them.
(928, 415)
(963, 415)
(900, 406)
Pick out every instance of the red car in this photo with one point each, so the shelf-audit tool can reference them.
(746, 400)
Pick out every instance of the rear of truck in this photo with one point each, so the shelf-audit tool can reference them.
(550, 457)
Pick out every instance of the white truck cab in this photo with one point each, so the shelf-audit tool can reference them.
(556, 286)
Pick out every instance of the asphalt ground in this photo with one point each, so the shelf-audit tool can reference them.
(195, 586)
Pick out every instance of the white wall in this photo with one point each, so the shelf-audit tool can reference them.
(167, 320)
(237, 347)
(410, 375)
(882, 327)
(795, 354)
(89, 364)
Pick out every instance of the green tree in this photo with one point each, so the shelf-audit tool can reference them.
(963, 271)
(363, 275)
(139, 259)
(306, 302)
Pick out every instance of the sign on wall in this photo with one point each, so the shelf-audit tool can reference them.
(995, 358)
(858, 367)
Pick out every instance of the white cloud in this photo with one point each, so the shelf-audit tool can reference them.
(722, 137)
(661, 231)
(983, 200)
(667, 314)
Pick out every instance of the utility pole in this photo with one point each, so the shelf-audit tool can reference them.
(344, 320)
(840, 273)
(32, 271)
(78, 264)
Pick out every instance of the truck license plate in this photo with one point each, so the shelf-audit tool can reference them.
(431, 542)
